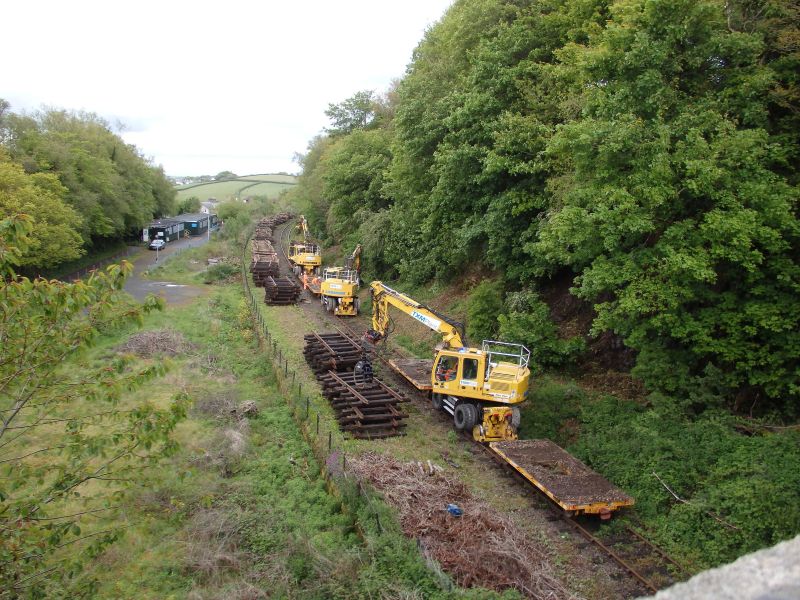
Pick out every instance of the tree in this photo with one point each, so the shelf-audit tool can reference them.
(353, 179)
(357, 112)
(225, 175)
(67, 449)
(189, 205)
(54, 238)
(111, 186)
(674, 207)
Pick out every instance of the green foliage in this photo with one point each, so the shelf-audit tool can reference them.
(671, 208)
(224, 175)
(110, 185)
(527, 321)
(357, 112)
(54, 238)
(484, 306)
(353, 180)
(67, 450)
(188, 205)
(649, 148)
(308, 195)
(741, 490)
(552, 411)
(220, 272)
(238, 217)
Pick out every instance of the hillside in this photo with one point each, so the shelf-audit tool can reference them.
(267, 185)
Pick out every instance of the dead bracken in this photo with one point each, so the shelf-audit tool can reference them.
(157, 341)
(482, 548)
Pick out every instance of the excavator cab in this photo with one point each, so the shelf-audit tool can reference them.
(339, 291)
(480, 387)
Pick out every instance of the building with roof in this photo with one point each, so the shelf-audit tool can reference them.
(165, 229)
(198, 223)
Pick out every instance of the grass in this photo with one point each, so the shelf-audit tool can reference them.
(216, 521)
(190, 266)
(272, 177)
(261, 185)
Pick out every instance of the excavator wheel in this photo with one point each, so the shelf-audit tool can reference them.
(516, 418)
(465, 416)
(437, 401)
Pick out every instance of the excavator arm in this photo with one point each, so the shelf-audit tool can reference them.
(302, 225)
(354, 260)
(384, 297)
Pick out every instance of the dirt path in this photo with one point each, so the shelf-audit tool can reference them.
(175, 294)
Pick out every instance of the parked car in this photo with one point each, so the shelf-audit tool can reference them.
(157, 244)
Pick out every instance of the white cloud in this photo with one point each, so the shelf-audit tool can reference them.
(204, 87)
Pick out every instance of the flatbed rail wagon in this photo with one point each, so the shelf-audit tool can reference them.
(563, 478)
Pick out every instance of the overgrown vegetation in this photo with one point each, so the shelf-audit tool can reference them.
(644, 149)
(72, 439)
(737, 481)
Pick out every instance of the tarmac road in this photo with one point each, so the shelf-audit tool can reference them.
(172, 293)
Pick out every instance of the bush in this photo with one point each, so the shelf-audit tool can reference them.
(484, 305)
(219, 272)
(528, 322)
(741, 491)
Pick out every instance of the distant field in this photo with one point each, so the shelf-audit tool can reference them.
(269, 177)
(250, 185)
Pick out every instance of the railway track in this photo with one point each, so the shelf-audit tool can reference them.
(648, 566)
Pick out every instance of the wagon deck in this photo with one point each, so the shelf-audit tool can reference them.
(562, 477)
(416, 370)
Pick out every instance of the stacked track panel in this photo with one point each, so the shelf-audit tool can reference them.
(365, 408)
(281, 290)
(265, 259)
(265, 262)
(331, 352)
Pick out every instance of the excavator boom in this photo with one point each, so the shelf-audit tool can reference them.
(354, 260)
(383, 297)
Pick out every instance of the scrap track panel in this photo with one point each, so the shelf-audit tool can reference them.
(265, 262)
(281, 290)
(365, 407)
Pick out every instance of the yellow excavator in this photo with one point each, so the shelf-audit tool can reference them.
(479, 387)
(340, 286)
(305, 256)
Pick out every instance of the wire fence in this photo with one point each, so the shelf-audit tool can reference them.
(87, 270)
(319, 430)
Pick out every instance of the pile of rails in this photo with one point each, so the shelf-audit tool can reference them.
(265, 262)
(365, 408)
(280, 290)
(265, 226)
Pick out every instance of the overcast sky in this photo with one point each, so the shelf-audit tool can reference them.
(203, 87)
